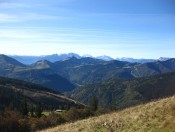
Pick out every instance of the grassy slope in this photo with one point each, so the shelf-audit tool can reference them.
(157, 116)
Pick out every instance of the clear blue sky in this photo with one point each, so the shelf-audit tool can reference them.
(118, 28)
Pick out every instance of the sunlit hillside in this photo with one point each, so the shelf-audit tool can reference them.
(157, 116)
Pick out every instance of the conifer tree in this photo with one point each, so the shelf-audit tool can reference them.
(94, 103)
(32, 111)
(25, 108)
(39, 110)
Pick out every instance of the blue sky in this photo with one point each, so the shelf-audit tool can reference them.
(118, 28)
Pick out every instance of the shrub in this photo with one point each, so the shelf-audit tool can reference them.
(9, 122)
(75, 114)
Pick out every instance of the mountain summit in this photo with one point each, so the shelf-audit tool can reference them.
(5, 60)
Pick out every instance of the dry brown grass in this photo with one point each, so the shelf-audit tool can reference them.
(157, 116)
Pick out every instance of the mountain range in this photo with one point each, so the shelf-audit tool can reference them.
(52, 58)
(60, 57)
(67, 74)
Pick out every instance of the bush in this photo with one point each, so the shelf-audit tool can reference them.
(13, 121)
(60, 119)
(75, 114)
(24, 125)
(52, 119)
(9, 122)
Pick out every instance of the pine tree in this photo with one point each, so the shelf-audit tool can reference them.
(25, 108)
(94, 103)
(32, 111)
(39, 110)
(67, 107)
(113, 106)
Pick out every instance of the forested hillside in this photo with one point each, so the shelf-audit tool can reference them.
(13, 93)
(119, 93)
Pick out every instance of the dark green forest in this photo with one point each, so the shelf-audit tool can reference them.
(120, 93)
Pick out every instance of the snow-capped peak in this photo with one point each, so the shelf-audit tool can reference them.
(105, 58)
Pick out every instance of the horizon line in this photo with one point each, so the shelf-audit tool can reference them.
(84, 56)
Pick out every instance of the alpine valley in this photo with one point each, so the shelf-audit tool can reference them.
(75, 82)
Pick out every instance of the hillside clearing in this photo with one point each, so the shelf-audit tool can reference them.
(157, 116)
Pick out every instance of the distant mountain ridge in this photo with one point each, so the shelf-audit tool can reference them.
(59, 57)
(52, 58)
(5, 59)
(39, 73)
(66, 74)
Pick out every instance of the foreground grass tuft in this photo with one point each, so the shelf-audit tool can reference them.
(157, 116)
